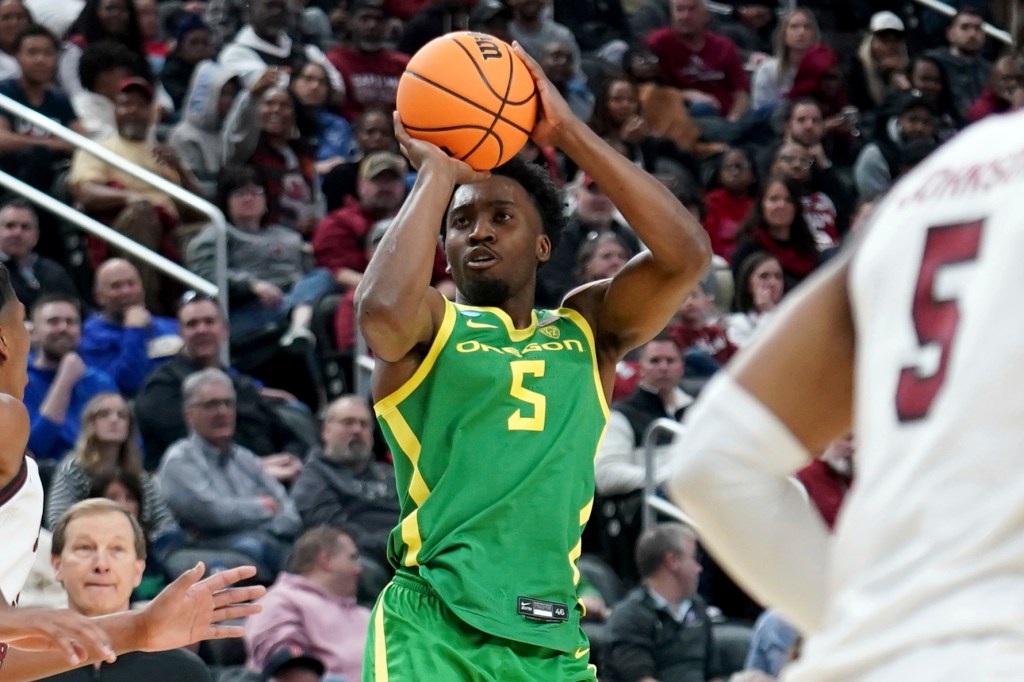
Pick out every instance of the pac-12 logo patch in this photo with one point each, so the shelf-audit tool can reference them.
(550, 332)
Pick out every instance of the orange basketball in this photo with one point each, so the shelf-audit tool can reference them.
(471, 95)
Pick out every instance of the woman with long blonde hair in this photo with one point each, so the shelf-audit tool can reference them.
(797, 33)
(107, 442)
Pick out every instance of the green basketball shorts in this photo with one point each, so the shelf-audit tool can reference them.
(415, 637)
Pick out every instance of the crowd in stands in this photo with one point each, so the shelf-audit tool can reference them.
(779, 128)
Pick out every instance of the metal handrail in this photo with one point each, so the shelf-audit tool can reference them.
(107, 234)
(942, 8)
(218, 288)
(654, 429)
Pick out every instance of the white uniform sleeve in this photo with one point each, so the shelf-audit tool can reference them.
(730, 475)
(618, 467)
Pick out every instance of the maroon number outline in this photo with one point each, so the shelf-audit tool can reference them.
(935, 320)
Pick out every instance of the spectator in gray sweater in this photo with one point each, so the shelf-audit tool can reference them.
(270, 270)
(218, 489)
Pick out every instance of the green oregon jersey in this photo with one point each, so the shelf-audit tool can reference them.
(494, 439)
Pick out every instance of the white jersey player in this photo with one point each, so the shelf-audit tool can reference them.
(21, 510)
(915, 338)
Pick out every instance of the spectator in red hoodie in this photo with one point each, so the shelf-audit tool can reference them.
(371, 71)
(728, 201)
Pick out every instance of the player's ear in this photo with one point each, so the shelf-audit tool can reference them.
(55, 562)
(543, 248)
(4, 349)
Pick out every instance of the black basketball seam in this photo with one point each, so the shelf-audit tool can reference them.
(512, 58)
(497, 115)
(445, 128)
(476, 66)
(467, 101)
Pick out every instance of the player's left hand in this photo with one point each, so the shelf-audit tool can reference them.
(189, 609)
(554, 115)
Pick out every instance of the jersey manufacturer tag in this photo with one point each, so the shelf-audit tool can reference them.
(541, 611)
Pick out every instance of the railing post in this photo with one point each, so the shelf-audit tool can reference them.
(654, 429)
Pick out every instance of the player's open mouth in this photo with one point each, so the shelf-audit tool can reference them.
(481, 259)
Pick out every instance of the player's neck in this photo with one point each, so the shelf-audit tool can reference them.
(519, 306)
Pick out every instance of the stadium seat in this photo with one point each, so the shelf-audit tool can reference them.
(335, 365)
(733, 641)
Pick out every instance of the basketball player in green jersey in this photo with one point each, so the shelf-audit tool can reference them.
(494, 410)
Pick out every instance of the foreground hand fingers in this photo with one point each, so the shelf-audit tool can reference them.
(235, 611)
(236, 595)
(227, 577)
(224, 632)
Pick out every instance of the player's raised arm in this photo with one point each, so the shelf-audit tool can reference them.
(757, 422)
(679, 247)
(396, 307)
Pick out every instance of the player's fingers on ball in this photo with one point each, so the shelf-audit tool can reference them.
(399, 128)
(531, 63)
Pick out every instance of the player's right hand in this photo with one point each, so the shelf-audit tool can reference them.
(78, 637)
(423, 154)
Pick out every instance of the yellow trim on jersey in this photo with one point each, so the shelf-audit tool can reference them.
(513, 333)
(574, 555)
(585, 512)
(444, 332)
(581, 322)
(412, 538)
(410, 446)
(380, 650)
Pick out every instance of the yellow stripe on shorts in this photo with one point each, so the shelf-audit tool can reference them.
(380, 650)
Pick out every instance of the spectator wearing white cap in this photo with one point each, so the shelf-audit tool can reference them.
(878, 69)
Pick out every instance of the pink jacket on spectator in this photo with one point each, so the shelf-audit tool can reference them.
(297, 612)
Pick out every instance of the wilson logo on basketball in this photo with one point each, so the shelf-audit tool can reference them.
(488, 48)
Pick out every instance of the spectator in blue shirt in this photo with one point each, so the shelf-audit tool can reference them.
(59, 382)
(123, 339)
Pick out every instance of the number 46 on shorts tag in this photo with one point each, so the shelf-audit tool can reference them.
(542, 611)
